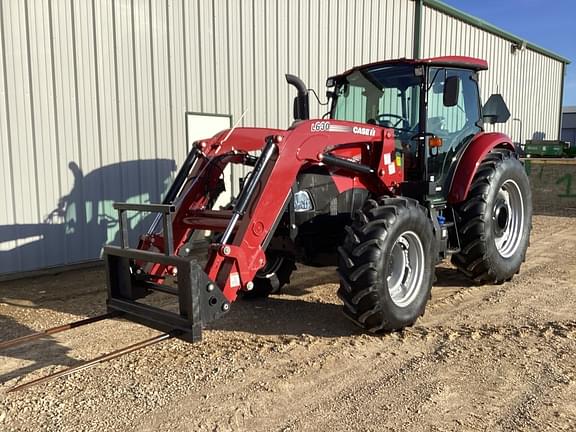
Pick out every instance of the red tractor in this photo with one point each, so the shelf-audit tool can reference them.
(397, 176)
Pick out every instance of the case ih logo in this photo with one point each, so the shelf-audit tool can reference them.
(364, 131)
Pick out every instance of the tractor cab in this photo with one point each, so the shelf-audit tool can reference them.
(432, 105)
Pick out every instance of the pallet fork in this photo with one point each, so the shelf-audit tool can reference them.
(199, 300)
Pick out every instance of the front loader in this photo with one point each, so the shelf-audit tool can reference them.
(399, 175)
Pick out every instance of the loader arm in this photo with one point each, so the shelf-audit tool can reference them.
(343, 147)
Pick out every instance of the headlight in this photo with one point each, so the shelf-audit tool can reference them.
(302, 202)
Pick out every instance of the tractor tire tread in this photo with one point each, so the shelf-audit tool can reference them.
(367, 237)
(475, 258)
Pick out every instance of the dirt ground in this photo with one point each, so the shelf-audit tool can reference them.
(482, 358)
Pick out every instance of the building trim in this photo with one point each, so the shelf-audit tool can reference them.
(417, 28)
(481, 24)
(563, 79)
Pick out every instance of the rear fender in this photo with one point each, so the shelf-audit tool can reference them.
(474, 154)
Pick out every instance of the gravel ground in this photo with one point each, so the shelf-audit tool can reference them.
(482, 358)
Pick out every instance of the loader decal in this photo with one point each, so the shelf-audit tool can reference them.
(326, 126)
(364, 131)
(321, 126)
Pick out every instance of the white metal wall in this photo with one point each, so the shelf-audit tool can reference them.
(530, 82)
(93, 95)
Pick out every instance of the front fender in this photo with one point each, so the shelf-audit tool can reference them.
(474, 154)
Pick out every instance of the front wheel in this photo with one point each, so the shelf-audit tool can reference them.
(387, 264)
(495, 220)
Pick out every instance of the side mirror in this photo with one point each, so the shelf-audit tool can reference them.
(495, 110)
(451, 91)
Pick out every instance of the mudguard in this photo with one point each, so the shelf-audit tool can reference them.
(475, 152)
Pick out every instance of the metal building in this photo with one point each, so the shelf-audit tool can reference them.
(93, 94)
(569, 125)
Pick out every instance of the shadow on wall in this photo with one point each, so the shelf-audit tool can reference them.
(80, 224)
(84, 220)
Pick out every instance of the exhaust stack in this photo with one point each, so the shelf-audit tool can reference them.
(301, 102)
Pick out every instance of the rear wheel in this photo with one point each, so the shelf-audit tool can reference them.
(387, 264)
(494, 222)
(272, 277)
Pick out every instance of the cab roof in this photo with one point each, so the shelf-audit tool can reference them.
(449, 61)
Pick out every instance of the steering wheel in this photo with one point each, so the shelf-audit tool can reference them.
(380, 118)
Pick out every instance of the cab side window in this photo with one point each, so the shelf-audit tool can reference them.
(443, 120)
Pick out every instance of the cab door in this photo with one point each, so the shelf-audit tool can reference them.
(453, 126)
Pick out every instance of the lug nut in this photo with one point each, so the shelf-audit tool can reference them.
(250, 286)
(225, 307)
(210, 287)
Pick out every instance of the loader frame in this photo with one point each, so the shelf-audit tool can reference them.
(247, 229)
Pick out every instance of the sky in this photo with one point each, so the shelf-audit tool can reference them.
(550, 24)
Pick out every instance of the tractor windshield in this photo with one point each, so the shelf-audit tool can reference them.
(387, 96)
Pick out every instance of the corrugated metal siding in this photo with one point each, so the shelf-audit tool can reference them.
(93, 95)
(530, 82)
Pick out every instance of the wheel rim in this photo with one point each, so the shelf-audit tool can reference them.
(405, 269)
(508, 219)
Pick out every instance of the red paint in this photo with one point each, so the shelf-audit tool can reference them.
(462, 61)
(468, 164)
(258, 228)
(344, 183)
